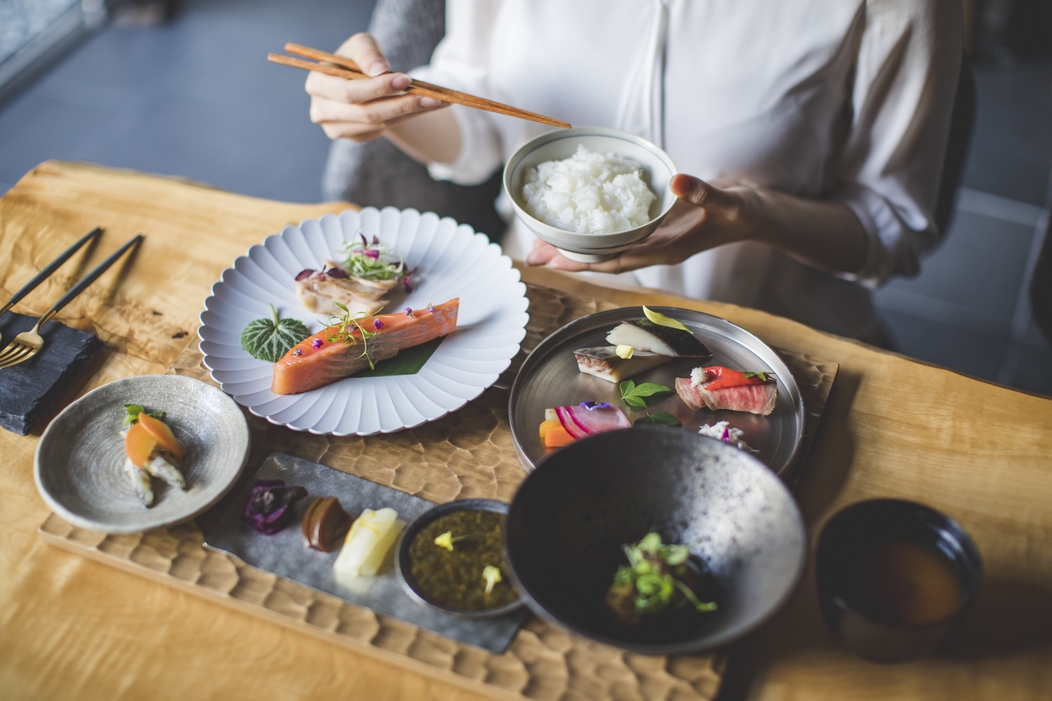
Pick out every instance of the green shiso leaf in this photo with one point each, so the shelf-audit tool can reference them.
(636, 395)
(269, 339)
(662, 418)
(133, 411)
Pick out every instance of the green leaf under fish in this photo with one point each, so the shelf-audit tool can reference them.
(270, 339)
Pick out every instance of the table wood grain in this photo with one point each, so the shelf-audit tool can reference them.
(71, 628)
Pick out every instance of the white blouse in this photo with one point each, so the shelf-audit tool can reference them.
(846, 100)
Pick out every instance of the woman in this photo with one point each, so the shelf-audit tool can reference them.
(813, 132)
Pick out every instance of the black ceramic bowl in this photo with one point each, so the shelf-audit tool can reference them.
(570, 518)
(404, 567)
(851, 537)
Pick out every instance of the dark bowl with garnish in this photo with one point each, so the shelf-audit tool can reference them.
(613, 510)
(451, 558)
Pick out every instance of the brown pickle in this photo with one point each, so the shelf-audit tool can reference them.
(454, 579)
(325, 524)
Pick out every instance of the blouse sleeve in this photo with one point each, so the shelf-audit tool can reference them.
(909, 57)
(460, 62)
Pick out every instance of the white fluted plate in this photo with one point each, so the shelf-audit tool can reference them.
(450, 260)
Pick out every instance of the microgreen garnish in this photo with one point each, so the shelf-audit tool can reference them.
(636, 395)
(764, 376)
(343, 329)
(492, 576)
(371, 260)
(269, 339)
(662, 418)
(133, 413)
(655, 577)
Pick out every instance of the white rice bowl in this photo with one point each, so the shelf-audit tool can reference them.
(588, 193)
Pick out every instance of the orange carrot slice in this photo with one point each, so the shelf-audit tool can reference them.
(545, 425)
(160, 431)
(139, 444)
(557, 437)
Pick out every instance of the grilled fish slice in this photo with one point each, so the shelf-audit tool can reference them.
(323, 358)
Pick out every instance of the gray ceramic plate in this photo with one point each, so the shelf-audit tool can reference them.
(549, 377)
(79, 461)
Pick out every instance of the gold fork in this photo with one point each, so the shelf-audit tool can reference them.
(28, 343)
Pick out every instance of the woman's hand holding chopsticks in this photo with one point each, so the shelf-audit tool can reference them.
(363, 110)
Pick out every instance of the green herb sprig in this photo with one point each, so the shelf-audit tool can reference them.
(653, 576)
(764, 376)
(636, 396)
(372, 260)
(269, 339)
(133, 411)
(662, 418)
(345, 326)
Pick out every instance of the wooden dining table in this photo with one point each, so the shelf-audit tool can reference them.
(71, 628)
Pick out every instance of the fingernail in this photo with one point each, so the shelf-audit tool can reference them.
(377, 68)
(429, 102)
(401, 82)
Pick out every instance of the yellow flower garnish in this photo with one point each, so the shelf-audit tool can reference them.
(492, 575)
(662, 320)
(445, 541)
(624, 351)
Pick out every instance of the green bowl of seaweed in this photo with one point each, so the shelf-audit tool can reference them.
(451, 558)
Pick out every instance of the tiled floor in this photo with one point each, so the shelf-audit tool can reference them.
(196, 98)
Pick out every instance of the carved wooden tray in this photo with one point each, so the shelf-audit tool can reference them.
(468, 454)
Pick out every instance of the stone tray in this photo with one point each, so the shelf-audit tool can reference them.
(468, 454)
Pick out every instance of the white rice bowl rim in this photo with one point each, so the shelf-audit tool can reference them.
(540, 150)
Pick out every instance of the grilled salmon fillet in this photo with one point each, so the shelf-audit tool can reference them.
(326, 357)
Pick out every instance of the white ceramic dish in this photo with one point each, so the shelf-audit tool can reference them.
(450, 260)
(79, 466)
(557, 145)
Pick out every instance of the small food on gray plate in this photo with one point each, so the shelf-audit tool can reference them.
(371, 536)
(268, 508)
(151, 450)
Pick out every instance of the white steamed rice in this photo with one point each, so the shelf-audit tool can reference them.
(588, 193)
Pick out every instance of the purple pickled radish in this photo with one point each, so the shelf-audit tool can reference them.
(268, 507)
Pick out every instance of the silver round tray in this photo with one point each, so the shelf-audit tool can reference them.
(549, 377)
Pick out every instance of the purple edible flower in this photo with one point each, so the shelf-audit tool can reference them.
(298, 351)
(336, 273)
(409, 311)
(726, 438)
(373, 253)
(365, 241)
(595, 405)
(268, 506)
(316, 343)
(430, 309)
(376, 240)
(304, 274)
(321, 276)
(378, 324)
(405, 280)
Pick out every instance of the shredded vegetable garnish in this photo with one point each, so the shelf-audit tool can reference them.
(374, 261)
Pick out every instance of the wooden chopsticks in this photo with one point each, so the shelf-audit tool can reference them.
(346, 68)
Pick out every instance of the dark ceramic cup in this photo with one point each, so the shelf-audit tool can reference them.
(894, 577)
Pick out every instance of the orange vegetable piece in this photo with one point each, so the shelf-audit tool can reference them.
(545, 425)
(160, 431)
(139, 444)
(557, 437)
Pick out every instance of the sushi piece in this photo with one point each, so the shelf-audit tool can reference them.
(367, 543)
(151, 448)
(604, 362)
(646, 336)
(717, 387)
(342, 350)
(140, 482)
